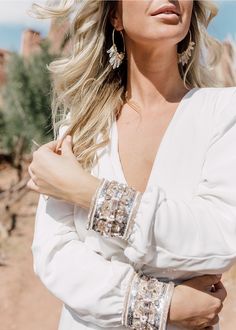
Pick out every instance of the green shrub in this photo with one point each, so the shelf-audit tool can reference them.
(26, 113)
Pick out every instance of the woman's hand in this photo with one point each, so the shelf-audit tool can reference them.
(60, 175)
(196, 303)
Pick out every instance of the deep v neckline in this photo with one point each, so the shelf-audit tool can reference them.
(115, 143)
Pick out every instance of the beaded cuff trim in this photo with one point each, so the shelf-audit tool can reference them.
(147, 303)
(113, 209)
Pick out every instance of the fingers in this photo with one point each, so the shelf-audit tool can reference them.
(219, 286)
(214, 321)
(50, 145)
(220, 291)
(31, 185)
(209, 280)
(30, 171)
(58, 147)
(66, 147)
(32, 176)
(209, 324)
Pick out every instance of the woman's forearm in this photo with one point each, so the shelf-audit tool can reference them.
(60, 256)
(83, 196)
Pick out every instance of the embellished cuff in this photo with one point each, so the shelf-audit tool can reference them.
(113, 209)
(147, 303)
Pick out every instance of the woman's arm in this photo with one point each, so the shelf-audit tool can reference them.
(197, 234)
(193, 235)
(92, 288)
(90, 285)
(98, 291)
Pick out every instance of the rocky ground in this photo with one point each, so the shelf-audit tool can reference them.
(25, 304)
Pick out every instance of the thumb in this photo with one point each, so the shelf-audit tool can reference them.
(66, 147)
(50, 145)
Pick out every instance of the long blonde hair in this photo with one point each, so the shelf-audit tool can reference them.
(86, 86)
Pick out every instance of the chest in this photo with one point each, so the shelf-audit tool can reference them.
(181, 143)
(138, 145)
(166, 151)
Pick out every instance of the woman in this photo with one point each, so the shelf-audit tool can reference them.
(157, 204)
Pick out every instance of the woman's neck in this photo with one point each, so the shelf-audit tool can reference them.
(154, 79)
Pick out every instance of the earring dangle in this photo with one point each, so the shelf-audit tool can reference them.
(184, 57)
(116, 58)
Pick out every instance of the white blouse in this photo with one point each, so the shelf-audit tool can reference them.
(185, 225)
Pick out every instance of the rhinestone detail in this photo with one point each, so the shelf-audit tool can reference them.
(113, 209)
(147, 303)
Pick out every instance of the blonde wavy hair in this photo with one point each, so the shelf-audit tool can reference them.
(86, 86)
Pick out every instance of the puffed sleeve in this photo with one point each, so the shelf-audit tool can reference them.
(198, 234)
(86, 282)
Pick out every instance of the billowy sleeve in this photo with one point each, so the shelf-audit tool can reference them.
(93, 287)
(200, 234)
(96, 290)
(90, 285)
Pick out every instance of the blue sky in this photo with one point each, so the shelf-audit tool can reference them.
(225, 23)
(14, 19)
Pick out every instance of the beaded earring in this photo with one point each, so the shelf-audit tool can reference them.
(184, 57)
(116, 58)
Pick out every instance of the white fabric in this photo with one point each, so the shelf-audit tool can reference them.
(185, 225)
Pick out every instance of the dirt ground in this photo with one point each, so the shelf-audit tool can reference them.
(25, 304)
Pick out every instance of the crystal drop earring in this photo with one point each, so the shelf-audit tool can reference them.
(184, 57)
(116, 58)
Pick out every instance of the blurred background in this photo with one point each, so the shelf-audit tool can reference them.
(27, 45)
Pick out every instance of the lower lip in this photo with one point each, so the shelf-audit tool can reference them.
(168, 16)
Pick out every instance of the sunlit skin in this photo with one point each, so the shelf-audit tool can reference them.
(148, 83)
(154, 82)
(151, 45)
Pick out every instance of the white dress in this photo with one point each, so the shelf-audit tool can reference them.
(185, 225)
